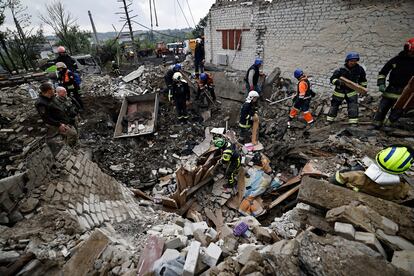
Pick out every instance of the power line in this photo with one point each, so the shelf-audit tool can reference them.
(148, 28)
(191, 13)
(183, 14)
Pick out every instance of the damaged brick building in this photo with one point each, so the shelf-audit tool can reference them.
(311, 34)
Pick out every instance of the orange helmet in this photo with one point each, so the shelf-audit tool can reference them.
(61, 49)
(409, 45)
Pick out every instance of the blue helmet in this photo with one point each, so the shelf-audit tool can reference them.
(203, 76)
(177, 67)
(352, 55)
(298, 73)
(258, 61)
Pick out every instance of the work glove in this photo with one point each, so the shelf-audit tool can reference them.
(312, 94)
(381, 88)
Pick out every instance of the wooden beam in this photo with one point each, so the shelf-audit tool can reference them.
(198, 186)
(322, 194)
(139, 193)
(360, 89)
(283, 197)
(186, 206)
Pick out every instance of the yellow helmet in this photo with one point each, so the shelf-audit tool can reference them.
(395, 159)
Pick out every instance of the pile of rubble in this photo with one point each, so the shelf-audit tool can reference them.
(102, 209)
(20, 126)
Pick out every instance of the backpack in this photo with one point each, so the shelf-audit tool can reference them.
(77, 78)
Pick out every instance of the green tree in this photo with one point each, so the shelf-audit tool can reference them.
(66, 29)
(199, 28)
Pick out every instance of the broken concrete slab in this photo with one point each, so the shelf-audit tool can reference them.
(192, 259)
(134, 74)
(84, 258)
(404, 260)
(334, 255)
(249, 254)
(370, 240)
(395, 242)
(8, 256)
(205, 145)
(363, 217)
(262, 234)
(345, 230)
(320, 193)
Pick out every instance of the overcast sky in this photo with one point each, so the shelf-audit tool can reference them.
(103, 13)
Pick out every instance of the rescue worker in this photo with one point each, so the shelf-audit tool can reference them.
(115, 68)
(199, 57)
(181, 96)
(400, 69)
(68, 103)
(382, 178)
(353, 72)
(231, 159)
(247, 112)
(54, 116)
(168, 78)
(302, 99)
(252, 76)
(66, 59)
(66, 79)
(206, 82)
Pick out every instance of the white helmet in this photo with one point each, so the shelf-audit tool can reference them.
(177, 76)
(251, 95)
(60, 65)
(198, 40)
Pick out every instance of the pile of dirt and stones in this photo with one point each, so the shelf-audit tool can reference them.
(155, 204)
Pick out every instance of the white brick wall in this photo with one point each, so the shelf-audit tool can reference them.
(314, 35)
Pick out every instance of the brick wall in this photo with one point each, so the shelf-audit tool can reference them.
(314, 35)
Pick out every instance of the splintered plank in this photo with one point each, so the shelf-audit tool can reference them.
(139, 193)
(188, 178)
(283, 197)
(181, 183)
(169, 202)
(208, 172)
(152, 252)
(198, 186)
(198, 175)
(235, 201)
(186, 206)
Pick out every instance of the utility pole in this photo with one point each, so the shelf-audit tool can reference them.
(94, 30)
(128, 18)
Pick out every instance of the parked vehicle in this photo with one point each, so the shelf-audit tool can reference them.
(161, 49)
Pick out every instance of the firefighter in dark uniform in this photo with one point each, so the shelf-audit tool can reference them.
(247, 112)
(353, 72)
(400, 70)
(181, 95)
(231, 159)
(168, 78)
